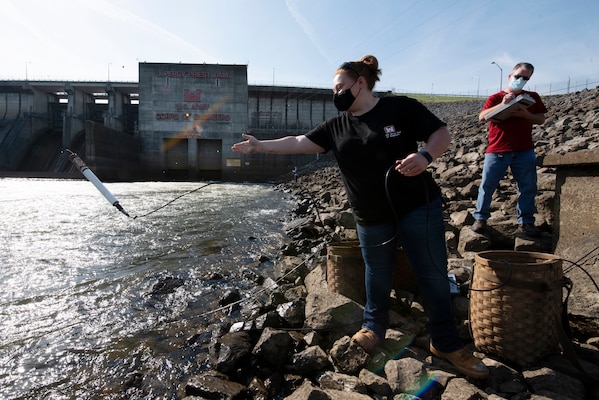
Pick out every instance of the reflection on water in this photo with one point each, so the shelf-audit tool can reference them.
(77, 315)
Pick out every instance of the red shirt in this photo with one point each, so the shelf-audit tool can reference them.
(512, 134)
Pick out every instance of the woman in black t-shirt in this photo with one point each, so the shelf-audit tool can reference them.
(393, 198)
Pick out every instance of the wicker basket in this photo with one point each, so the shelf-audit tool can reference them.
(345, 271)
(515, 304)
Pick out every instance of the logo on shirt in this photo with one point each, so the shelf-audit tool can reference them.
(390, 132)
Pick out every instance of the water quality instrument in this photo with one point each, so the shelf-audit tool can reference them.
(84, 169)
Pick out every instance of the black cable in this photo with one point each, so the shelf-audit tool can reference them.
(254, 295)
(173, 200)
(501, 284)
(315, 204)
(575, 264)
(390, 201)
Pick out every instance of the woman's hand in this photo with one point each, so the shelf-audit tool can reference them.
(249, 146)
(414, 164)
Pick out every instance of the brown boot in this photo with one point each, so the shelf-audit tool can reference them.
(366, 339)
(479, 226)
(464, 362)
(529, 230)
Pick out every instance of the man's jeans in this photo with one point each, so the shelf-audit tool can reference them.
(421, 234)
(523, 167)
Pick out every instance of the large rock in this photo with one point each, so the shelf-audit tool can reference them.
(274, 347)
(230, 351)
(332, 311)
(580, 266)
(212, 385)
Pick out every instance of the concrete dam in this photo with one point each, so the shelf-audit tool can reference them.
(177, 123)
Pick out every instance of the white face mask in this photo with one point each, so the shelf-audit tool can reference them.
(517, 84)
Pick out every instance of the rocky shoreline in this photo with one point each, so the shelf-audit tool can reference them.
(293, 340)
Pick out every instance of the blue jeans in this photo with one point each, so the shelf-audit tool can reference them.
(523, 165)
(421, 233)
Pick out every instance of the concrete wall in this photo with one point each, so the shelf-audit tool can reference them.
(74, 118)
(32, 111)
(577, 190)
(111, 154)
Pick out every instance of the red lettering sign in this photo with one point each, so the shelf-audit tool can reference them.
(190, 96)
(193, 74)
(167, 116)
(212, 117)
(198, 74)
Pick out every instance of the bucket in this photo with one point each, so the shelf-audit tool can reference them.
(346, 268)
(515, 304)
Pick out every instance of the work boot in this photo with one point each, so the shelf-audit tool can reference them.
(366, 339)
(529, 230)
(463, 361)
(479, 226)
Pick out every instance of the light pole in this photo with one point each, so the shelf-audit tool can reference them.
(500, 75)
(109, 72)
(26, 63)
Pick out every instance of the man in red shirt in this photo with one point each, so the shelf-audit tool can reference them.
(510, 144)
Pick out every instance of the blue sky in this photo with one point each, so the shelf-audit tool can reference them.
(428, 46)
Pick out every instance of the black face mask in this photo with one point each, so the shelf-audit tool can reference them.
(344, 100)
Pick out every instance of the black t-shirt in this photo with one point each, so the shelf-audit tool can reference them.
(367, 146)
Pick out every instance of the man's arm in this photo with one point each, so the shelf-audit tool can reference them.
(535, 119)
(481, 115)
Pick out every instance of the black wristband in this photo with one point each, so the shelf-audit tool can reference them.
(426, 155)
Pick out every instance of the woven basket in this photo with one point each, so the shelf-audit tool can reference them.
(345, 271)
(515, 304)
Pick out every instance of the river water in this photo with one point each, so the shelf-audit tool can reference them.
(80, 317)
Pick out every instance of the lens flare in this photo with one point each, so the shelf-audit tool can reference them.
(195, 127)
